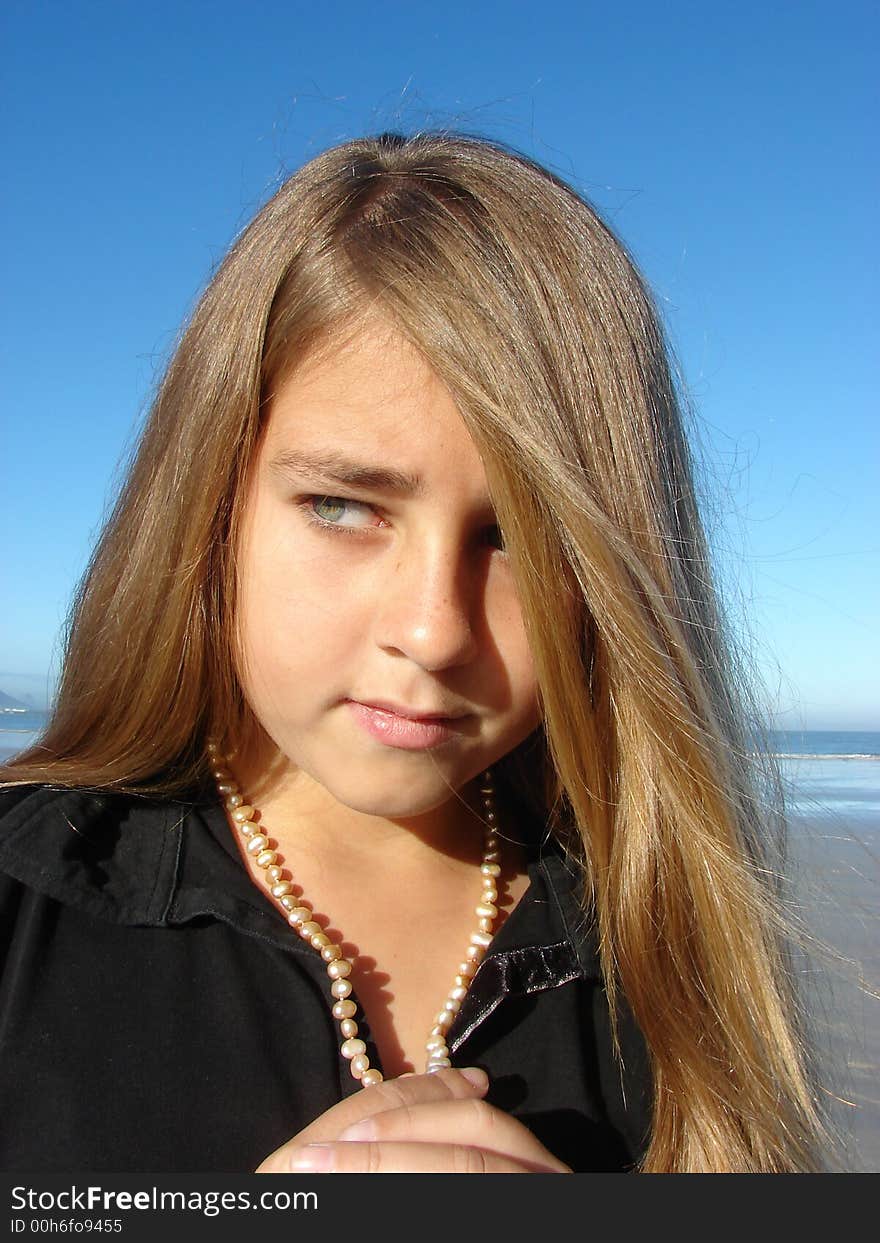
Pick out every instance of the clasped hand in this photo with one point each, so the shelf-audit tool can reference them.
(416, 1124)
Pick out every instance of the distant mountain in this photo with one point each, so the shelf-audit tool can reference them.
(6, 701)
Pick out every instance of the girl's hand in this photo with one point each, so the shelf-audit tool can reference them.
(417, 1124)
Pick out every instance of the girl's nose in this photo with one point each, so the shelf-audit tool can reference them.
(427, 605)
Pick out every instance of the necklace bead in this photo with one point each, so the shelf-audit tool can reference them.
(299, 916)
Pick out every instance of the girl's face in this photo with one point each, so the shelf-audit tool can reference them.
(371, 572)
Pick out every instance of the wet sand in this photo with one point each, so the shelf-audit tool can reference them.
(835, 867)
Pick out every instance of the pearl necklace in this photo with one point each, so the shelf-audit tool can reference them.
(300, 917)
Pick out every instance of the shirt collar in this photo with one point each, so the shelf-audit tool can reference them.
(150, 862)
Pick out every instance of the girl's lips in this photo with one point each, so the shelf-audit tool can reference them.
(401, 731)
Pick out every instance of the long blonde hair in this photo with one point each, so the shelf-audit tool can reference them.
(534, 315)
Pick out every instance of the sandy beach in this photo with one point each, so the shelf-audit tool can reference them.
(835, 862)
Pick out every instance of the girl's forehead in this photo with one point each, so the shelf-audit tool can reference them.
(369, 370)
(373, 414)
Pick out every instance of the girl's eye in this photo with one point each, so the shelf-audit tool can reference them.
(332, 507)
(324, 512)
(495, 536)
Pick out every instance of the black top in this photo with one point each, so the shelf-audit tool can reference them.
(157, 1014)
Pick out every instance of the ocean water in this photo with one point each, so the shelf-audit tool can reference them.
(18, 730)
(830, 773)
(827, 744)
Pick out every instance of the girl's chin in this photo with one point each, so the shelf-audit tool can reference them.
(366, 776)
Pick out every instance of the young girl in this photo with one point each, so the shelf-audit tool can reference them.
(397, 731)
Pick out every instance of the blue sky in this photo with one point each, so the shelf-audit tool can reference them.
(729, 145)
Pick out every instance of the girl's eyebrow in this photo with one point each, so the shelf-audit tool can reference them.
(335, 467)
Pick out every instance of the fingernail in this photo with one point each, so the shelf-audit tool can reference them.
(365, 1129)
(314, 1158)
(476, 1077)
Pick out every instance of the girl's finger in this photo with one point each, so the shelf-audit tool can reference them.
(468, 1123)
(448, 1084)
(351, 1157)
